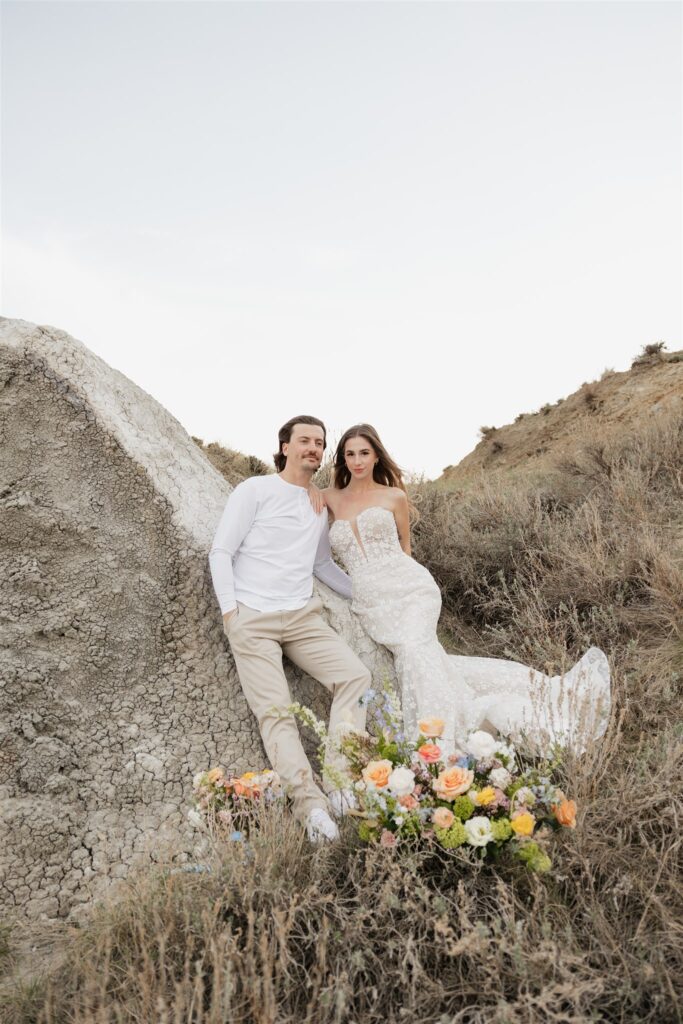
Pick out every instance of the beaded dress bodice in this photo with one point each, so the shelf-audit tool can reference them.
(399, 603)
(376, 528)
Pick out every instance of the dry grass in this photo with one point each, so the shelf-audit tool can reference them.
(295, 933)
(234, 466)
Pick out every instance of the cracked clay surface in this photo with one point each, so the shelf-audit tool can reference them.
(116, 680)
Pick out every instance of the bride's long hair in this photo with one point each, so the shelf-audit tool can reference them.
(385, 471)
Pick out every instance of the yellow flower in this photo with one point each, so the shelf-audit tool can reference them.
(523, 823)
(247, 776)
(485, 796)
(431, 727)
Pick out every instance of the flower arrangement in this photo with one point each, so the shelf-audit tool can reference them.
(227, 802)
(480, 800)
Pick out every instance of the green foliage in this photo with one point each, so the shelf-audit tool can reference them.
(366, 832)
(531, 854)
(388, 750)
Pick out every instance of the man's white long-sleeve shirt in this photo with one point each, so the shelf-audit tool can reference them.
(268, 544)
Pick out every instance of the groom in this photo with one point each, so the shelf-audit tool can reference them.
(268, 544)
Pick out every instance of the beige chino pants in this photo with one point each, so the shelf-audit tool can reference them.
(258, 641)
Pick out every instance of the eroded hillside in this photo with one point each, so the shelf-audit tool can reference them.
(616, 404)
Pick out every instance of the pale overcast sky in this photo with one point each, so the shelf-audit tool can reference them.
(431, 216)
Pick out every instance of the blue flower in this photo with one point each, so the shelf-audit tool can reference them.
(463, 762)
(237, 837)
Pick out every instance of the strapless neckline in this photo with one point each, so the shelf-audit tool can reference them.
(370, 508)
(353, 525)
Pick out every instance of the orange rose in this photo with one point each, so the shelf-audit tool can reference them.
(431, 727)
(565, 812)
(452, 782)
(443, 818)
(376, 773)
(523, 823)
(245, 787)
(429, 752)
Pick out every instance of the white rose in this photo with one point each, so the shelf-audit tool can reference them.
(478, 831)
(481, 744)
(500, 777)
(401, 782)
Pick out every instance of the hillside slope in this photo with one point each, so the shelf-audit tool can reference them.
(616, 404)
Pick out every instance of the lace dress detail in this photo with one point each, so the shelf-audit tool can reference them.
(398, 603)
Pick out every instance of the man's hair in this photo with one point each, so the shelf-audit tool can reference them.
(285, 435)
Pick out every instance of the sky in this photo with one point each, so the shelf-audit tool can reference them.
(426, 216)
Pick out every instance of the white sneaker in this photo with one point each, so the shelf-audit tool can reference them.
(342, 801)
(320, 826)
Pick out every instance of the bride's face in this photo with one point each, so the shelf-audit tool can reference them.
(360, 458)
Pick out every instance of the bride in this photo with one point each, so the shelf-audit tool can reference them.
(398, 603)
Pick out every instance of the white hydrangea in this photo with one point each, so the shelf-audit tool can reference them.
(500, 777)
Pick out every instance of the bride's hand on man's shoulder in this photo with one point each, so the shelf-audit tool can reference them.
(317, 498)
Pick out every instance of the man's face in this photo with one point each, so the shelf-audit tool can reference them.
(305, 448)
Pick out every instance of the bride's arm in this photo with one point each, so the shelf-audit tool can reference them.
(402, 520)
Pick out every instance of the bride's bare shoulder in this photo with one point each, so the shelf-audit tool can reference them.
(332, 497)
(397, 497)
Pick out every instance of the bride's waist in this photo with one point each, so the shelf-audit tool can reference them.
(379, 561)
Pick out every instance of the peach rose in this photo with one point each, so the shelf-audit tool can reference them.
(429, 752)
(376, 773)
(452, 782)
(443, 818)
(523, 823)
(409, 802)
(431, 727)
(215, 775)
(565, 812)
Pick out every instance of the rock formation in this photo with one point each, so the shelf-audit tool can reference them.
(116, 680)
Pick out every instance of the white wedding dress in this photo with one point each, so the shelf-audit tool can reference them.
(398, 603)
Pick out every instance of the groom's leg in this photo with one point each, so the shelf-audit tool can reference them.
(255, 641)
(315, 647)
